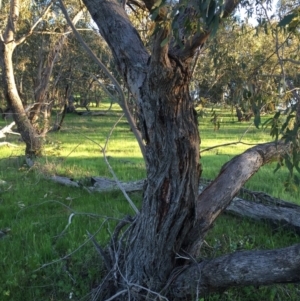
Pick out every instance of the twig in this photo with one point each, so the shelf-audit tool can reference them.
(100, 251)
(103, 149)
(231, 143)
(115, 177)
(119, 227)
(23, 38)
(69, 208)
(70, 254)
(226, 144)
(72, 150)
(149, 291)
(123, 102)
(116, 295)
(67, 226)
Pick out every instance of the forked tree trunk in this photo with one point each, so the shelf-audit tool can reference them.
(155, 258)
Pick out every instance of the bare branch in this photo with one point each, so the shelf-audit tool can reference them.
(225, 144)
(291, 61)
(71, 253)
(7, 130)
(233, 175)
(116, 295)
(113, 173)
(123, 102)
(29, 33)
(230, 6)
(239, 269)
(103, 149)
(100, 251)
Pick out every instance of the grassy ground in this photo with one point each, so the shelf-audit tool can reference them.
(49, 222)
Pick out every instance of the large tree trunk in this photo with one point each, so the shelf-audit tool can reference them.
(170, 131)
(157, 254)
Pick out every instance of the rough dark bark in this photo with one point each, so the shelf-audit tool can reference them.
(145, 261)
(238, 269)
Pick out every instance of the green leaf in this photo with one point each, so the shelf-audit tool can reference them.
(279, 165)
(289, 165)
(157, 4)
(257, 121)
(267, 122)
(164, 42)
(286, 20)
(154, 14)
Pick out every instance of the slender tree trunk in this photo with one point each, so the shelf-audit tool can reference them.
(7, 46)
(44, 76)
(28, 133)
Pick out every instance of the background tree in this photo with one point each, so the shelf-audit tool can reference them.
(8, 42)
(31, 68)
(43, 77)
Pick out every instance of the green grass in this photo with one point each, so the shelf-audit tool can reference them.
(38, 211)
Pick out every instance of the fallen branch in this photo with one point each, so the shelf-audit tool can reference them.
(104, 184)
(260, 206)
(7, 130)
(64, 181)
(280, 214)
(8, 144)
(239, 269)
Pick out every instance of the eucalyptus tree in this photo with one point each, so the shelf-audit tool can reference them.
(242, 66)
(44, 74)
(28, 75)
(158, 257)
(10, 38)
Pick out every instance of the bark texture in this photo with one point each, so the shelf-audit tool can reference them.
(238, 269)
(147, 261)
